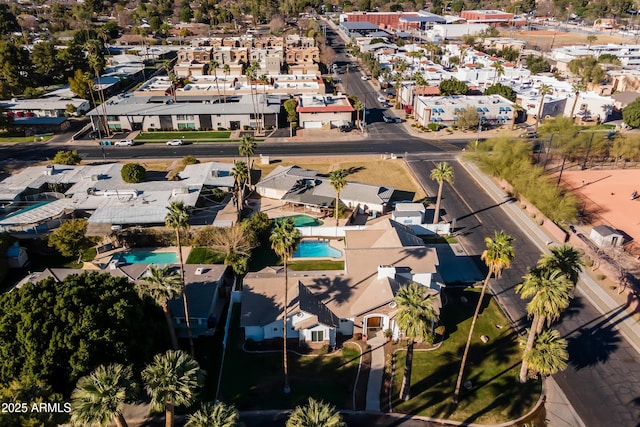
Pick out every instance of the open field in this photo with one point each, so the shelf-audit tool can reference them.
(378, 172)
(543, 38)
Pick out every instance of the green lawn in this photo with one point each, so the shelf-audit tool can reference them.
(311, 265)
(253, 381)
(4, 138)
(205, 256)
(496, 395)
(186, 135)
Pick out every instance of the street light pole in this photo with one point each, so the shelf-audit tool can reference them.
(346, 91)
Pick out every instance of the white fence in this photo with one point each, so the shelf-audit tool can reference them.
(328, 231)
(430, 229)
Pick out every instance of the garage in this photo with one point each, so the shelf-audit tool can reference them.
(312, 125)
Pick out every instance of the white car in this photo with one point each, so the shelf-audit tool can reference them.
(174, 142)
(381, 99)
(365, 77)
(124, 142)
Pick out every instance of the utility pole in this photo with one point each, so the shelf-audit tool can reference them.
(564, 159)
(347, 87)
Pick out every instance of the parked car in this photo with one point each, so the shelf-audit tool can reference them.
(345, 128)
(174, 142)
(365, 77)
(529, 135)
(124, 142)
(382, 99)
(388, 119)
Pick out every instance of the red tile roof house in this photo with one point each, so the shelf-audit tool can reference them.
(359, 299)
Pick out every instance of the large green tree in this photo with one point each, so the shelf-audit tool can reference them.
(177, 218)
(315, 414)
(453, 87)
(415, 318)
(502, 90)
(70, 238)
(236, 242)
(173, 379)
(631, 114)
(67, 157)
(162, 284)
(443, 172)
(285, 238)
(498, 256)
(58, 331)
(100, 396)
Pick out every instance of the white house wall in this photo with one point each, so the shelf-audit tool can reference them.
(328, 334)
(346, 326)
(255, 333)
(274, 330)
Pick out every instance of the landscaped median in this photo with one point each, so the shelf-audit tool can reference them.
(186, 136)
(492, 393)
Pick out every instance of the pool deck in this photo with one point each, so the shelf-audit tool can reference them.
(334, 243)
(278, 208)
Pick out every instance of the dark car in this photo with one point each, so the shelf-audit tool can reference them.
(387, 118)
(345, 128)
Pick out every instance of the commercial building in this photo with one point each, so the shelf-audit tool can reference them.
(493, 109)
(495, 18)
(324, 111)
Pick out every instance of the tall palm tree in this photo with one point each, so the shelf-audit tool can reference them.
(97, 64)
(214, 415)
(338, 179)
(499, 71)
(226, 69)
(284, 239)
(247, 148)
(590, 39)
(172, 379)
(162, 285)
(442, 172)
(213, 65)
(549, 354)
(397, 79)
(178, 219)
(544, 90)
(497, 257)
(565, 258)
(240, 173)
(415, 318)
(100, 396)
(358, 107)
(171, 77)
(577, 88)
(315, 414)
(550, 292)
(251, 75)
(264, 81)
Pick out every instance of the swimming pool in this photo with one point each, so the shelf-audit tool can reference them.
(315, 249)
(302, 220)
(142, 257)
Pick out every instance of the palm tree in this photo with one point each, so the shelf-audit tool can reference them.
(213, 65)
(162, 285)
(315, 414)
(550, 292)
(565, 258)
(97, 63)
(172, 380)
(358, 107)
(415, 318)
(284, 239)
(171, 77)
(442, 172)
(499, 71)
(397, 79)
(240, 173)
(264, 81)
(247, 148)
(100, 396)
(178, 219)
(590, 39)
(251, 74)
(549, 354)
(577, 88)
(497, 257)
(338, 179)
(214, 415)
(227, 70)
(544, 90)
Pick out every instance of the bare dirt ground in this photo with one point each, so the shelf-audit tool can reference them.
(543, 38)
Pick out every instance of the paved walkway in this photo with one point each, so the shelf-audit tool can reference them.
(376, 373)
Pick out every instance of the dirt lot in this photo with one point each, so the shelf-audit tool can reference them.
(543, 38)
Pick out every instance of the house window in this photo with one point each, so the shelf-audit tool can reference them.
(317, 336)
(113, 118)
(190, 126)
(275, 329)
(184, 117)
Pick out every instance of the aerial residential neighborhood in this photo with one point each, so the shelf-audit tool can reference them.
(298, 214)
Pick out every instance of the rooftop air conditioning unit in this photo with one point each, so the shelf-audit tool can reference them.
(199, 271)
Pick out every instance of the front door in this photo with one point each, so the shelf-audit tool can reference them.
(374, 325)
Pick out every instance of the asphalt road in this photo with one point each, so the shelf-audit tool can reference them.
(602, 381)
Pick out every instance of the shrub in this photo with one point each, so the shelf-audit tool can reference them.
(217, 194)
(133, 173)
(434, 127)
(64, 157)
(189, 160)
(601, 276)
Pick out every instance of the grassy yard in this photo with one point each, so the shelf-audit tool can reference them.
(380, 172)
(186, 135)
(4, 138)
(205, 256)
(496, 394)
(254, 381)
(311, 265)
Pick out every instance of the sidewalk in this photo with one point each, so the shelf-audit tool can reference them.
(559, 410)
(376, 373)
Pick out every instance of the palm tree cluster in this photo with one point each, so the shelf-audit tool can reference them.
(415, 317)
(549, 288)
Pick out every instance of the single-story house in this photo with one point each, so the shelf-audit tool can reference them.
(300, 186)
(324, 111)
(360, 299)
(605, 236)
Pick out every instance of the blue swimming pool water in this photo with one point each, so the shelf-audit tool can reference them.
(312, 249)
(148, 257)
(302, 220)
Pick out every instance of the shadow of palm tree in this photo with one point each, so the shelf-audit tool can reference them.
(592, 346)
